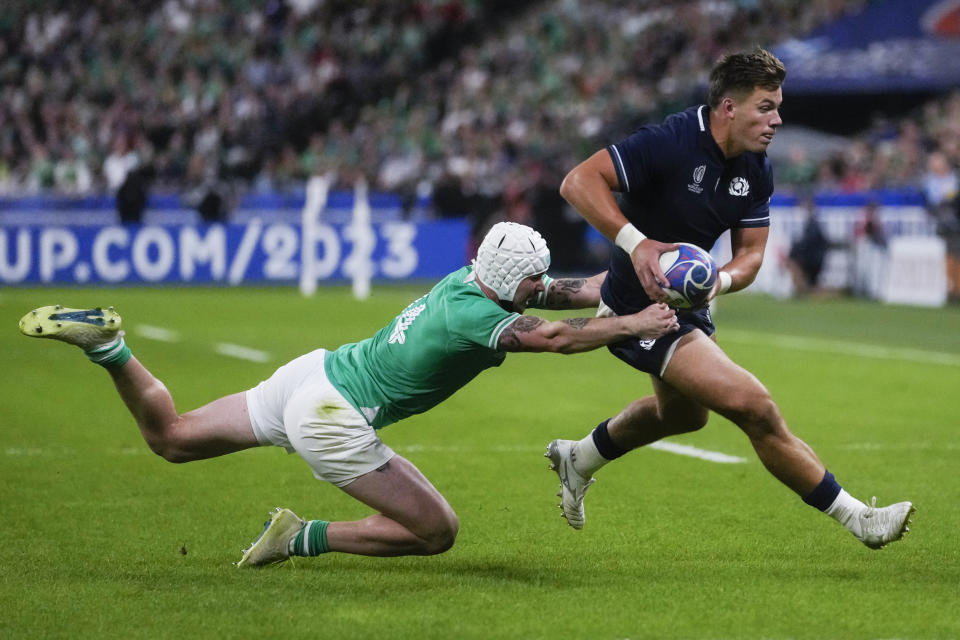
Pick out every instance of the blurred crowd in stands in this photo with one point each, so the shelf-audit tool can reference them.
(920, 151)
(475, 106)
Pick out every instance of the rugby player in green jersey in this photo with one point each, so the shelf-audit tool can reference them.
(329, 405)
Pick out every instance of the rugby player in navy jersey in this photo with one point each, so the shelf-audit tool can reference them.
(702, 172)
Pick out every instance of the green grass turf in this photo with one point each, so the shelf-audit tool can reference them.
(102, 539)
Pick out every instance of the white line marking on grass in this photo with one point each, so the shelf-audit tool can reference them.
(841, 347)
(695, 452)
(239, 351)
(156, 333)
(670, 447)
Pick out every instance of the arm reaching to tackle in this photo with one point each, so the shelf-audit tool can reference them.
(575, 335)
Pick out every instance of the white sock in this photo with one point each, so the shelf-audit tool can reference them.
(586, 457)
(845, 509)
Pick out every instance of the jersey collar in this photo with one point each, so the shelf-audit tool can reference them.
(705, 139)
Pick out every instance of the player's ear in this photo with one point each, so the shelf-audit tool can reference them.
(728, 105)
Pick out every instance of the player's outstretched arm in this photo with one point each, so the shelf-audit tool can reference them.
(575, 335)
(573, 293)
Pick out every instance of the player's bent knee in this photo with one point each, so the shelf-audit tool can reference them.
(757, 415)
(442, 535)
(173, 446)
(171, 452)
(440, 542)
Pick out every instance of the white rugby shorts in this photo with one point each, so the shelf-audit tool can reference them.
(297, 408)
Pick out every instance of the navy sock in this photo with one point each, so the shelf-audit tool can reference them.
(606, 447)
(825, 493)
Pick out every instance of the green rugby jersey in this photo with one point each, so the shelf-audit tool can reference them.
(439, 343)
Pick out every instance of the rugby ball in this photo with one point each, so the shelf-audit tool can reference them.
(691, 273)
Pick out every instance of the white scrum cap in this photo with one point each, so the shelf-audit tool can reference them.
(509, 253)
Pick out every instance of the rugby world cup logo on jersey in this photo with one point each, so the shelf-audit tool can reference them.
(698, 173)
(739, 187)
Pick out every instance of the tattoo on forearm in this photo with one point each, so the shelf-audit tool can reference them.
(510, 338)
(525, 323)
(563, 291)
(576, 323)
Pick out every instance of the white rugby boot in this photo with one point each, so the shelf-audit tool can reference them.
(89, 329)
(573, 486)
(878, 526)
(273, 545)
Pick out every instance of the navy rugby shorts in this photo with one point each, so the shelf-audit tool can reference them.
(652, 356)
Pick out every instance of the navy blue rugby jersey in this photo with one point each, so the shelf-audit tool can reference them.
(677, 186)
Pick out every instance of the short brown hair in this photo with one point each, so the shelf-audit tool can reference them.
(744, 72)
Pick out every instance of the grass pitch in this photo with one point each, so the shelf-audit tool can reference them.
(102, 539)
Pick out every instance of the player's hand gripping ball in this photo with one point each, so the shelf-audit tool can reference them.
(691, 274)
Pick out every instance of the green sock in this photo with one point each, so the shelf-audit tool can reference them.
(111, 355)
(312, 539)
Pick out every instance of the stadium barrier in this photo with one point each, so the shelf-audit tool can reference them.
(911, 269)
(65, 242)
